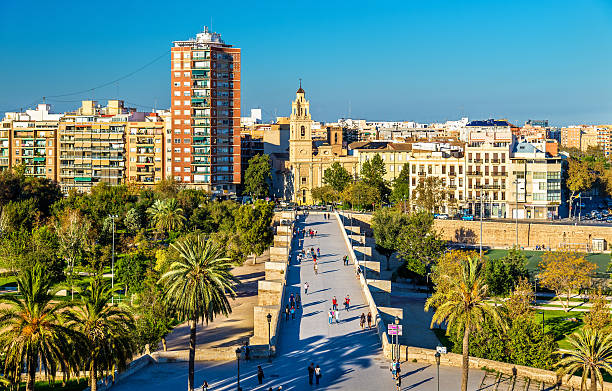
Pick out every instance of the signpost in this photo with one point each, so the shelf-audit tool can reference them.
(396, 331)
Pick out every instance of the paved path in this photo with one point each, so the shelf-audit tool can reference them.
(350, 358)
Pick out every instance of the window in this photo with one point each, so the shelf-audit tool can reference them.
(186, 150)
(177, 121)
(187, 74)
(186, 131)
(177, 83)
(542, 186)
(177, 102)
(177, 169)
(539, 175)
(303, 131)
(177, 131)
(177, 93)
(187, 169)
(177, 65)
(186, 112)
(177, 112)
(391, 168)
(177, 159)
(187, 103)
(413, 168)
(177, 74)
(177, 140)
(186, 122)
(187, 160)
(187, 93)
(186, 141)
(177, 150)
(177, 55)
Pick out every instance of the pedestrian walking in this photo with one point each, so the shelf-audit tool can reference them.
(205, 386)
(287, 313)
(318, 374)
(347, 302)
(393, 369)
(316, 269)
(292, 313)
(337, 316)
(306, 288)
(260, 374)
(369, 320)
(291, 300)
(298, 301)
(331, 316)
(318, 252)
(311, 371)
(398, 369)
(335, 303)
(247, 351)
(362, 320)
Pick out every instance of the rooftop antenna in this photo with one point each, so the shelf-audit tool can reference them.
(300, 82)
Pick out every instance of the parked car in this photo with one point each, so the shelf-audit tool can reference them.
(441, 216)
(467, 218)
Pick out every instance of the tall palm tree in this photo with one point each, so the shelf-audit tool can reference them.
(106, 329)
(166, 215)
(32, 329)
(460, 301)
(591, 353)
(197, 285)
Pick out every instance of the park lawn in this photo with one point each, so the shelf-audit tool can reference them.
(534, 257)
(8, 280)
(555, 322)
(71, 385)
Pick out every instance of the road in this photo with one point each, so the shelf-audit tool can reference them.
(350, 358)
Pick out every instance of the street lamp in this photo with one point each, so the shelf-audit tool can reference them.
(542, 312)
(397, 322)
(269, 317)
(437, 355)
(238, 352)
(365, 275)
(113, 217)
(482, 198)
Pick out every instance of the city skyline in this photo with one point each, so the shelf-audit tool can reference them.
(519, 61)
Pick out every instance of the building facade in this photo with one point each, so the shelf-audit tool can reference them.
(310, 157)
(205, 143)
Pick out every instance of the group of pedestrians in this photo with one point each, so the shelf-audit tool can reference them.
(396, 373)
(362, 320)
(292, 306)
(314, 371)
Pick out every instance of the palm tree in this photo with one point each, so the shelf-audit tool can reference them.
(105, 328)
(460, 301)
(32, 329)
(591, 353)
(197, 284)
(166, 215)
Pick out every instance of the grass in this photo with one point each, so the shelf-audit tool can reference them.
(556, 322)
(71, 385)
(9, 280)
(534, 257)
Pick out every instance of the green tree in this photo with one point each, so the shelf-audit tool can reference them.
(197, 285)
(33, 329)
(257, 176)
(579, 178)
(373, 173)
(131, 270)
(418, 244)
(387, 225)
(74, 235)
(337, 177)
(430, 194)
(591, 354)
(598, 317)
(326, 194)
(254, 225)
(400, 191)
(134, 220)
(166, 215)
(19, 214)
(502, 274)
(105, 328)
(565, 272)
(360, 193)
(462, 304)
(529, 346)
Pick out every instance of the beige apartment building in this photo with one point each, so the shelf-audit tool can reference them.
(93, 144)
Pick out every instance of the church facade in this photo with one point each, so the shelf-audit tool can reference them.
(309, 157)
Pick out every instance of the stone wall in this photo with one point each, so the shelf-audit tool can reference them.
(409, 353)
(503, 233)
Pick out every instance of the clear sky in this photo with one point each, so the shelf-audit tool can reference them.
(426, 60)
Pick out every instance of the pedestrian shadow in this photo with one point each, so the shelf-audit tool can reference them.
(329, 271)
(311, 314)
(315, 302)
(415, 385)
(416, 371)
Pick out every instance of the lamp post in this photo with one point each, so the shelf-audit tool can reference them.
(437, 355)
(238, 352)
(482, 198)
(269, 317)
(365, 275)
(542, 312)
(397, 322)
(516, 211)
(113, 217)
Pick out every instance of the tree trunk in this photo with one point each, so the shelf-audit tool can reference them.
(567, 301)
(31, 379)
(593, 381)
(192, 345)
(466, 357)
(93, 378)
(164, 344)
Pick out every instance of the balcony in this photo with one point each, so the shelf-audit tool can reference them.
(452, 173)
(477, 161)
(474, 173)
(452, 187)
(422, 173)
(499, 173)
(495, 161)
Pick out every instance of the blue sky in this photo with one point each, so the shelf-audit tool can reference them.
(406, 60)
